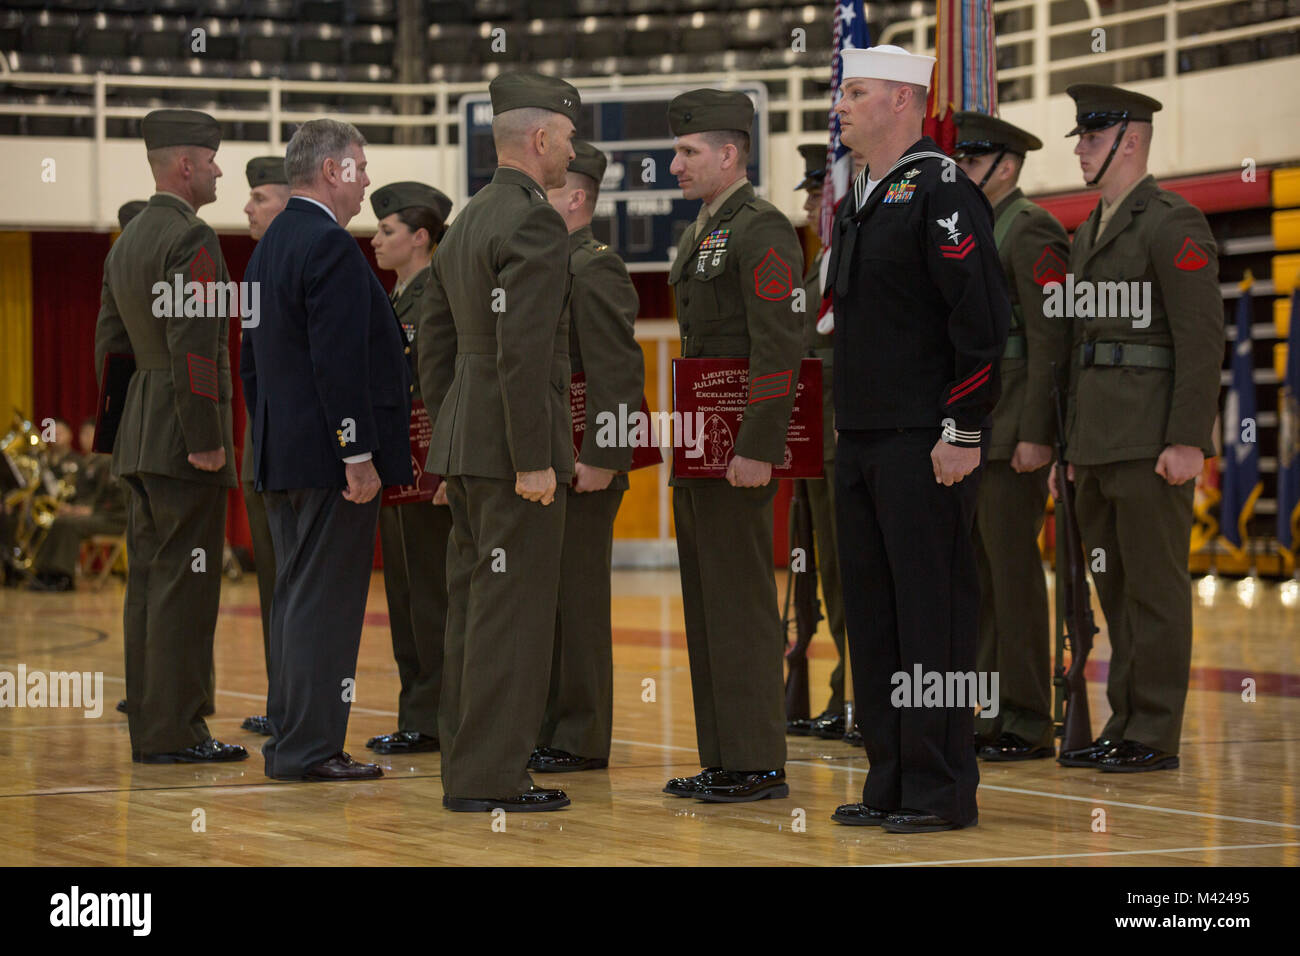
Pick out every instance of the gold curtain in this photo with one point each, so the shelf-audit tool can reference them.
(15, 324)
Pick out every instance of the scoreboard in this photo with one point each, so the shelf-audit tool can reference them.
(640, 213)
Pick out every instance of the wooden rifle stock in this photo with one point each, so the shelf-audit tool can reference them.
(806, 607)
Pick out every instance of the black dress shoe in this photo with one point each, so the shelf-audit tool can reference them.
(342, 767)
(1134, 757)
(403, 742)
(51, 582)
(859, 815)
(918, 821)
(1086, 756)
(829, 726)
(550, 760)
(1013, 747)
(535, 799)
(121, 706)
(853, 737)
(803, 727)
(258, 725)
(209, 751)
(742, 786)
(686, 786)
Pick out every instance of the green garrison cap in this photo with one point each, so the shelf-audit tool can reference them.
(700, 111)
(588, 160)
(814, 166)
(128, 211)
(398, 196)
(1098, 106)
(517, 90)
(180, 128)
(979, 133)
(266, 171)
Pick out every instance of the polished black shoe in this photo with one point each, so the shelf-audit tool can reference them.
(686, 786)
(550, 760)
(535, 799)
(803, 727)
(742, 786)
(853, 737)
(829, 726)
(207, 752)
(800, 726)
(51, 582)
(342, 767)
(403, 742)
(1086, 756)
(918, 821)
(859, 815)
(121, 706)
(1134, 757)
(259, 725)
(1013, 747)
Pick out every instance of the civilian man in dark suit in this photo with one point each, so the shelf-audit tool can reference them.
(329, 415)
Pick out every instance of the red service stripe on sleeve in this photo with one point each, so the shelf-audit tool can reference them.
(961, 250)
(203, 375)
(967, 390)
(971, 377)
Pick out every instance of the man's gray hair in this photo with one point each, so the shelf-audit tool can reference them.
(314, 142)
(511, 129)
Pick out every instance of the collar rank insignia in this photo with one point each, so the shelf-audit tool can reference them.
(900, 191)
(714, 246)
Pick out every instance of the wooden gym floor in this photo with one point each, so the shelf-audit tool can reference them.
(70, 795)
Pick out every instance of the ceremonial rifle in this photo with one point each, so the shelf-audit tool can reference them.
(801, 584)
(1073, 594)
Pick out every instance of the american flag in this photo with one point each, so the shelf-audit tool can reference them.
(850, 33)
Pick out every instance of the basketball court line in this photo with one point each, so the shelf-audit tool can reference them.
(839, 767)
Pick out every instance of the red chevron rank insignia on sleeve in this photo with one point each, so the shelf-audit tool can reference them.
(961, 250)
(1050, 267)
(775, 385)
(203, 270)
(772, 278)
(203, 375)
(1191, 256)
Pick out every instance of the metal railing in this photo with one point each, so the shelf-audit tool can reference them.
(796, 91)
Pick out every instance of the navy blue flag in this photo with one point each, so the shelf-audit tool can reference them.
(1241, 484)
(1288, 443)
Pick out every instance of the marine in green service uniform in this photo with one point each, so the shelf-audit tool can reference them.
(1143, 288)
(831, 722)
(1015, 631)
(268, 193)
(413, 535)
(494, 372)
(603, 303)
(173, 447)
(97, 506)
(733, 280)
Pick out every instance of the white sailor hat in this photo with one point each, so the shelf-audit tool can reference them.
(888, 63)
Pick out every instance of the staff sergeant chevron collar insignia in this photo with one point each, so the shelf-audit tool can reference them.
(772, 278)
